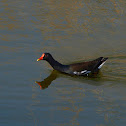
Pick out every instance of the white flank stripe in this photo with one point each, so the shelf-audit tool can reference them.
(83, 71)
(75, 72)
(88, 72)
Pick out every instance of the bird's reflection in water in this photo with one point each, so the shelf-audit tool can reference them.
(55, 74)
(47, 81)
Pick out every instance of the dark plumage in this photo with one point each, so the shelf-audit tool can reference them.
(84, 68)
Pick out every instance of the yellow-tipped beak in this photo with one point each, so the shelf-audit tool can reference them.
(38, 59)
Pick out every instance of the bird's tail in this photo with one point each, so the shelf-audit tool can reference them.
(99, 64)
(102, 62)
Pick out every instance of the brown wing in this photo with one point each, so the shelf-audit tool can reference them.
(90, 65)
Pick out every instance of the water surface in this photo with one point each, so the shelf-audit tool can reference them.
(31, 93)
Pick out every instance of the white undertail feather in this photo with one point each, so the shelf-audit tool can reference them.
(101, 65)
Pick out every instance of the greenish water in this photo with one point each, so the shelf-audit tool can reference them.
(71, 31)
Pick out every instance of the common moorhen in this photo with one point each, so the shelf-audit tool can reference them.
(81, 69)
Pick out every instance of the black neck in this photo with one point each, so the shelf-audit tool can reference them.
(55, 64)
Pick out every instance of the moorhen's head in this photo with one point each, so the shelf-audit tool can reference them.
(45, 56)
